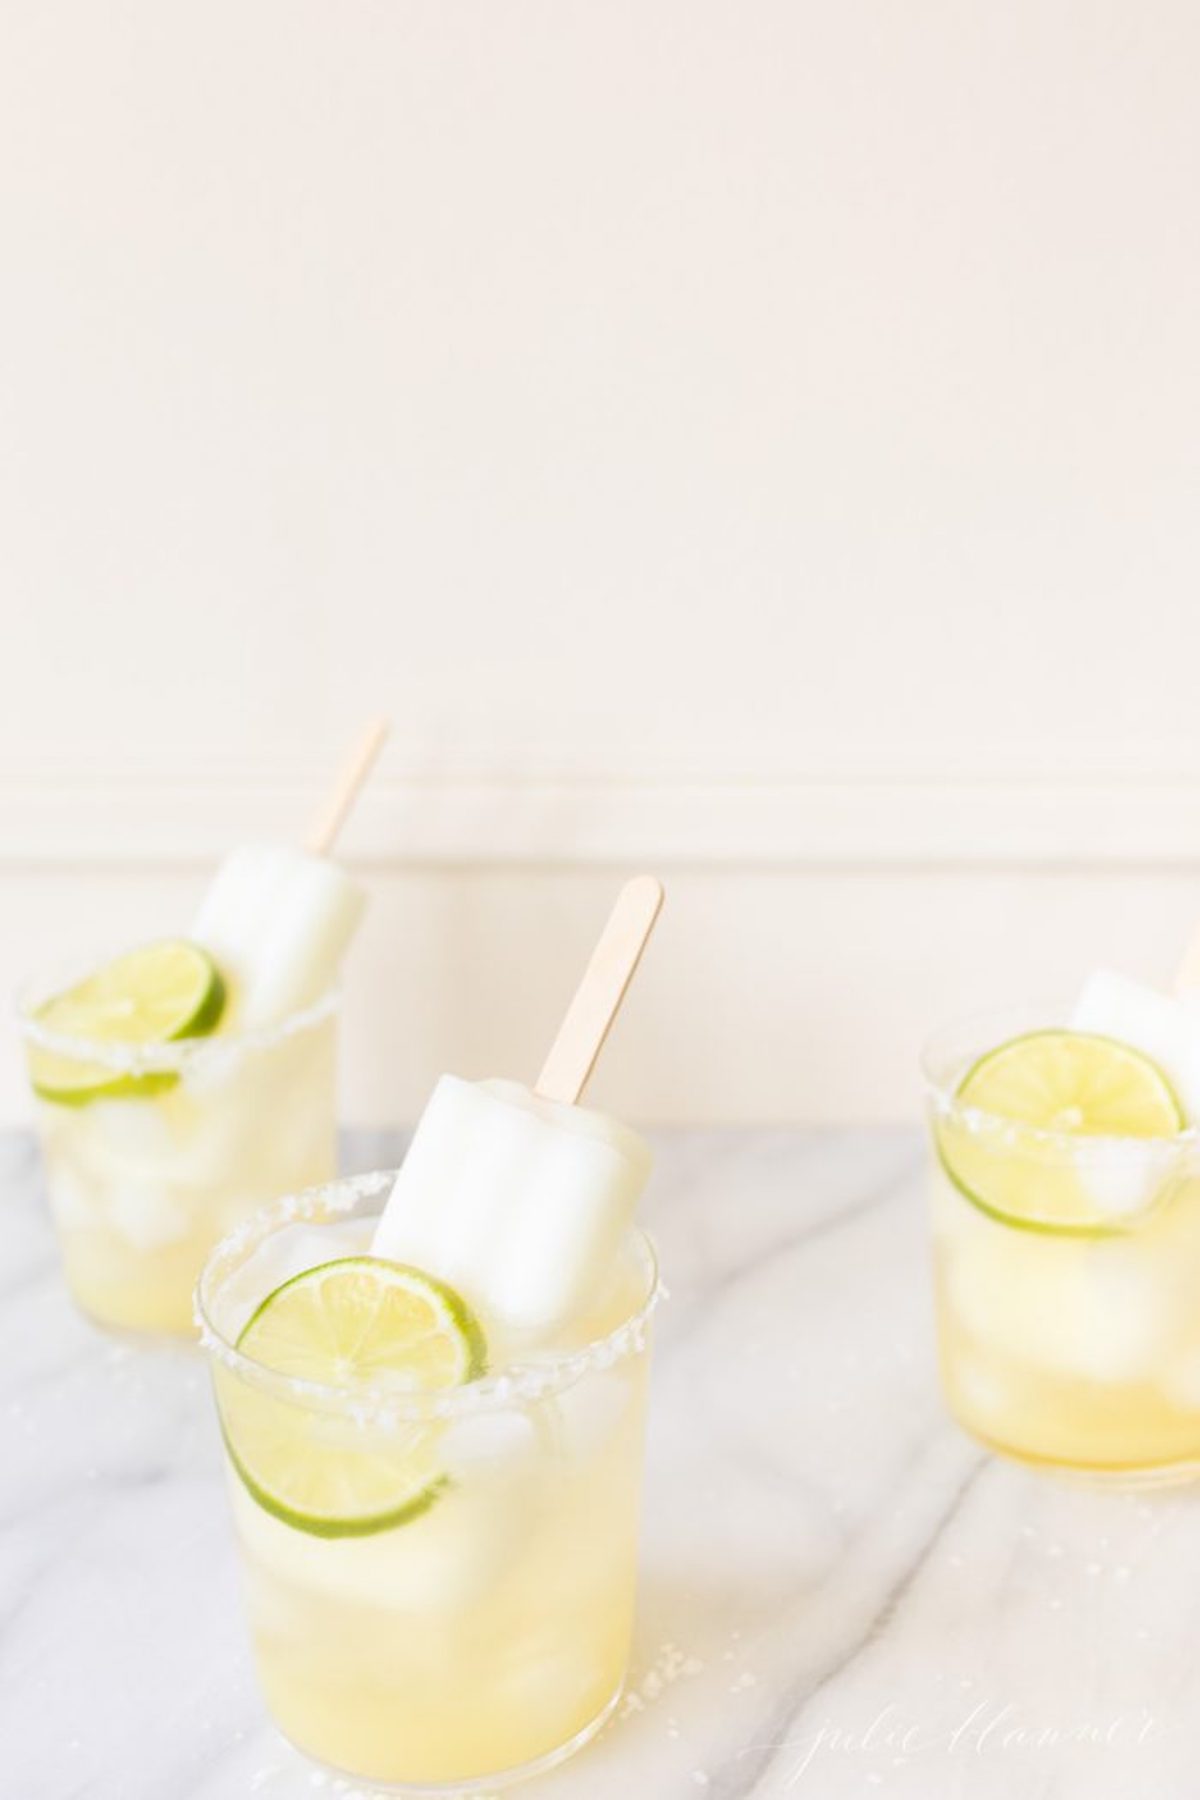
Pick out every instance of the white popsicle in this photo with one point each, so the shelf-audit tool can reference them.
(519, 1203)
(278, 919)
(520, 1198)
(278, 922)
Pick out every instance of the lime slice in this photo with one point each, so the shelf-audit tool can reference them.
(358, 1323)
(151, 996)
(1024, 1158)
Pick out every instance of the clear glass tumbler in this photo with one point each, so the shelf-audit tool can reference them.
(484, 1636)
(172, 1146)
(1067, 1279)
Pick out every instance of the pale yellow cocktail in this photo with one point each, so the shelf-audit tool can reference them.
(440, 1584)
(154, 1151)
(1066, 1228)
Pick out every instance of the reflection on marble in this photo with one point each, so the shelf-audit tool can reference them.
(841, 1595)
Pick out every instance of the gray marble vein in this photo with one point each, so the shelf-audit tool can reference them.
(841, 1596)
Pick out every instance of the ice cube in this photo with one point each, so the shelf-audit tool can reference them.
(442, 1562)
(286, 1253)
(1097, 1310)
(150, 1215)
(76, 1202)
(1124, 1178)
(500, 1444)
(135, 1133)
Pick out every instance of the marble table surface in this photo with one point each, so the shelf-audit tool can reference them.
(840, 1596)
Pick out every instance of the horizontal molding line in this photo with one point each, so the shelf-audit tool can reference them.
(788, 824)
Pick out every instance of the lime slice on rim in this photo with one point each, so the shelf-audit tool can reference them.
(152, 996)
(357, 1324)
(1025, 1159)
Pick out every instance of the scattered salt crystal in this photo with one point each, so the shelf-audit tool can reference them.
(668, 1666)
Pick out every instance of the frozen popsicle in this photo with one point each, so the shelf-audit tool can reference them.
(519, 1197)
(278, 919)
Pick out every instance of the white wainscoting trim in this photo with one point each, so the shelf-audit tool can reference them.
(131, 821)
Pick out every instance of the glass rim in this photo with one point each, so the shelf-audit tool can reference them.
(170, 1058)
(520, 1382)
(941, 1089)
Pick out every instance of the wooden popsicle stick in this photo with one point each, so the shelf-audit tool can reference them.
(335, 808)
(598, 997)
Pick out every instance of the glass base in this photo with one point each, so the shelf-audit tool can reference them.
(1132, 1477)
(477, 1784)
(137, 1337)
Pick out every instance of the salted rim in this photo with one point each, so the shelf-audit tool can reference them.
(520, 1382)
(972, 1037)
(171, 1057)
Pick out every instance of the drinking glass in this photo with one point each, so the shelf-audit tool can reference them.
(482, 1634)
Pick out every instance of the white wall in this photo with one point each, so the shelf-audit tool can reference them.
(756, 440)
